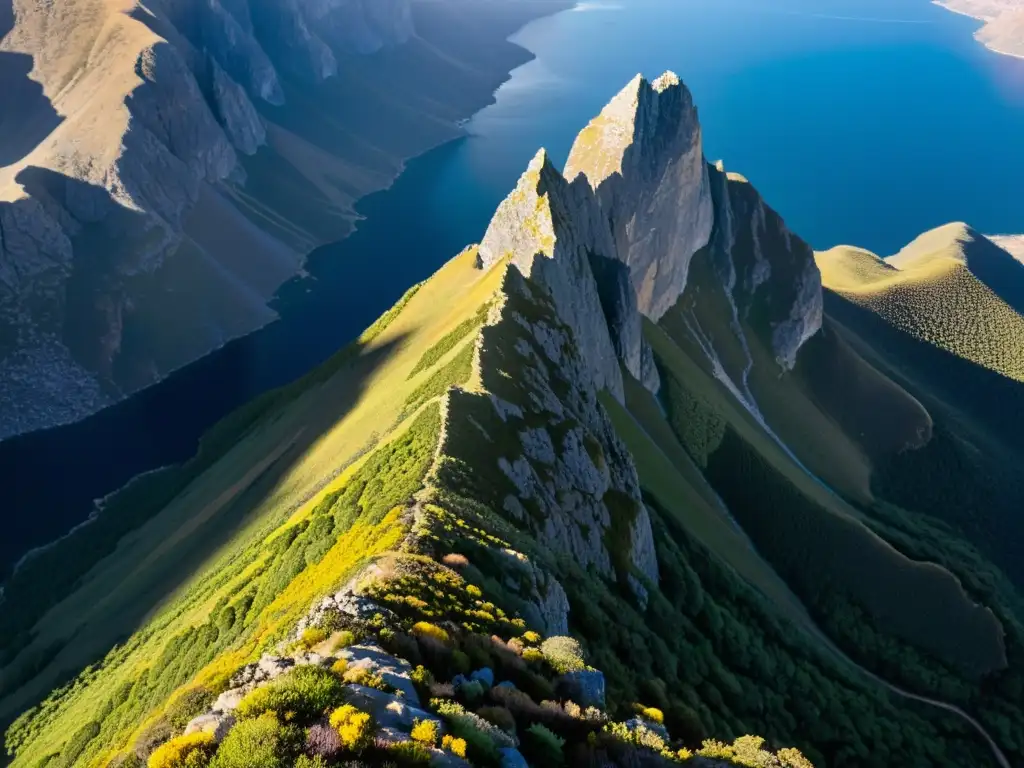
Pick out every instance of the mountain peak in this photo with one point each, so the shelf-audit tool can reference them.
(644, 159)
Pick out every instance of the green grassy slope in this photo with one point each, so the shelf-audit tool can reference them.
(950, 287)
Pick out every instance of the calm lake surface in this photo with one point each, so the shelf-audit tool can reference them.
(860, 121)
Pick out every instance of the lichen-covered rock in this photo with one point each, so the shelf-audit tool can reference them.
(643, 157)
(394, 671)
(388, 709)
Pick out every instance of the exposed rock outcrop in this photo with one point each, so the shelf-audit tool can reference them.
(548, 231)
(768, 272)
(567, 479)
(644, 158)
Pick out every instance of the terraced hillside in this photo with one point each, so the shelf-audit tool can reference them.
(583, 497)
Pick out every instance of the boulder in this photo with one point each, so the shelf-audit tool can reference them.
(394, 671)
(388, 709)
(216, 723)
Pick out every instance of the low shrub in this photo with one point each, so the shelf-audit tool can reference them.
(425, 732)
(409, 753)
(471, 693)
(455, 560)
(363, 676)
(312, 637)
(305, 761)
(263, 742)
(500, 717)
(454, 745)
(564, 654)
(426, 629)
(306, 692)
(191, 751)
(322, 740)
(542, 747)
(340, 667)
(344, 639)
(531, 638)
(355, 728)
(651, 714)
(187, 705)
(152, 737)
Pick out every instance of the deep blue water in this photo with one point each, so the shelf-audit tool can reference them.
(861, 121)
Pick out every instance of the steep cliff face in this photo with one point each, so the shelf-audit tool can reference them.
(540, 446)
(644, 159)
(768, 272)
(549, 230)
(167, 154)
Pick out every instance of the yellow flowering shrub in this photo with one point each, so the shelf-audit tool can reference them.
(180, 749)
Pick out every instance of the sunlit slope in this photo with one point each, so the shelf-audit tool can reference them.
(951, 287)
(266, 466)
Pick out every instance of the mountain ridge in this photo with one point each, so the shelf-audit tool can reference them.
(494, 457)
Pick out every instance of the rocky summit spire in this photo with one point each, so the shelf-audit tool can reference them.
(643, 158)
(549, 230)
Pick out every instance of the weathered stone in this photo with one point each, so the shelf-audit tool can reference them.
(394, 671)
(544, 227)
(644, 158)
(237, 114)
(216, 723)
(388, 709)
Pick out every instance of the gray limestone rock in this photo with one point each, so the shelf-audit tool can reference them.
(389, 710)
(768, 273)
(395, 672)
(216, 723)
(643, 157)
(540, 230)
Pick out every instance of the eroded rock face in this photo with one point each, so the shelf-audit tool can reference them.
(567, 478)
(643, 157)
(241, 121)
(548, 231)
(769, 272)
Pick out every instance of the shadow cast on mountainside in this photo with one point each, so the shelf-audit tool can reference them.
(26, 115)
(69, 604)
(968, 474)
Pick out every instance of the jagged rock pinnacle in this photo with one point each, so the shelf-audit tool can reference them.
(644, 159)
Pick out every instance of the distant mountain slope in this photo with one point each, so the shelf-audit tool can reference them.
(749, 519)
(166, 165)
(951, 287)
